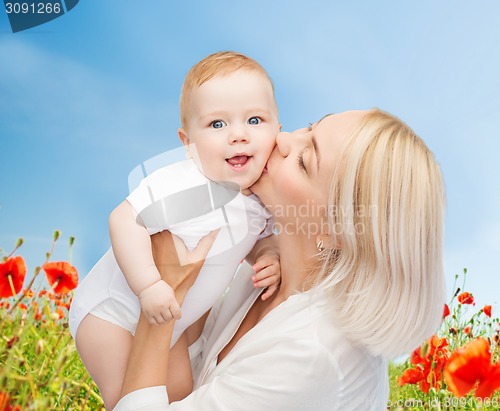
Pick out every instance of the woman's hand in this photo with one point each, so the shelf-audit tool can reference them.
(148, 360)
(178, 266)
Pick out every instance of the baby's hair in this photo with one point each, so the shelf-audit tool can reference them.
(221, 64)
(387, 279)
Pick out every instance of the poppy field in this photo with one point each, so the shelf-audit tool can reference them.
(39, 365)
(456, 369)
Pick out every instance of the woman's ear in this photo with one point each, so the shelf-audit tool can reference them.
(325, 241)
(185, 141)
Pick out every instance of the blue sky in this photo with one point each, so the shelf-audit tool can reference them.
(87, 97)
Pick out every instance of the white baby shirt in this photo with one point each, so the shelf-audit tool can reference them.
(180, 199)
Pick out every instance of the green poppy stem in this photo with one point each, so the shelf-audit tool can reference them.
(11, 283)
(18, 244)
(57, 233)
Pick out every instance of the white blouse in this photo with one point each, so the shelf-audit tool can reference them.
(293, 359)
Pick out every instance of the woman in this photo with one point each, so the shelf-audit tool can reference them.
(358, 201)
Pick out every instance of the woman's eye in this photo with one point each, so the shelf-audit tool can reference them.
(217, 124)
(254, 121)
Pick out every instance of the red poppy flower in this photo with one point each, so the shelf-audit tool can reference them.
(466, 298)
(487, 310)
(471, 365)
(60, 313)
(428, 361)
(446, 311)
(62, 276)
(4, 400)
(12, 273)
(411, 376)
(5, 403)
(12, 341)
(467, 330)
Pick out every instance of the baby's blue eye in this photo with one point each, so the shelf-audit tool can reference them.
(217, 124)
(254, 121)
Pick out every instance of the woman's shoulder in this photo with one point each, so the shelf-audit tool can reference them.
(305, 317)
(363, 376)
(310, 322)
(300, 336)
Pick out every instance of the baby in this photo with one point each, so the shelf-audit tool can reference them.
(229, 124)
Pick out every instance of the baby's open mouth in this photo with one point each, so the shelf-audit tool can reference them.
(238, 161)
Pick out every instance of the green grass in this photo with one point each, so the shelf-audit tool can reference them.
(40, 367)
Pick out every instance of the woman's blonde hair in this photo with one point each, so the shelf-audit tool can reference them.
(387, 206)
(221, 63)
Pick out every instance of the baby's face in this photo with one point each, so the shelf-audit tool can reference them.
(232, 127)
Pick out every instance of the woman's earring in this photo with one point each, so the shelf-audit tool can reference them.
(320, 245)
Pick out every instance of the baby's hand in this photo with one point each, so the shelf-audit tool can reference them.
(158, 303)
(267, 274)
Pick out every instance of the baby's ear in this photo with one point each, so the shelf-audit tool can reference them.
(185, 141)
(183, 136)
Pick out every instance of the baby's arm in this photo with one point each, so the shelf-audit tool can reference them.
(132, 249)
(265, 261)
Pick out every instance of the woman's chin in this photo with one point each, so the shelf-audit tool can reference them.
(257, 187)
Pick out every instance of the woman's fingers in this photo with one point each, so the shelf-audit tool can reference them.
(204, 245)
(198, 254)
(164, 251)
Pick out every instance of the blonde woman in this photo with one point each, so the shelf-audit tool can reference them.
(358, 201)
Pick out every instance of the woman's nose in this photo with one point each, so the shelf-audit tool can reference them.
(284, 142)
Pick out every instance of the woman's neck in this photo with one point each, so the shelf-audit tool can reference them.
(296, 257)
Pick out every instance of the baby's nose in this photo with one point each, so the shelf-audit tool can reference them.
(238, 135)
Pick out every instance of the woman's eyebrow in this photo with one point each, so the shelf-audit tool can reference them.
(311, 125)
(316, 150)
(322, 118)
